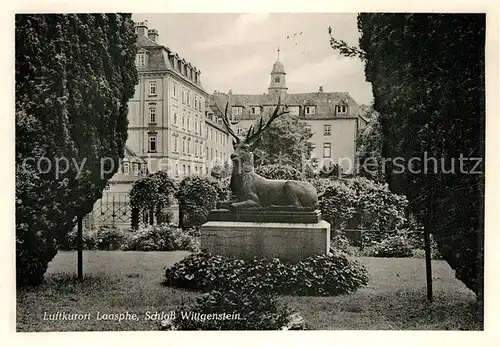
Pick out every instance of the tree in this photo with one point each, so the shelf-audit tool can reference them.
(152, 194)
(197, 195)
(75, 74)
(428, 78)
(369, 150)
(287, 141)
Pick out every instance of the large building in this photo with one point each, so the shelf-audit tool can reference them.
(169, 128)
(332, 116)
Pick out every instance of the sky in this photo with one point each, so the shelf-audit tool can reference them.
(237, 51)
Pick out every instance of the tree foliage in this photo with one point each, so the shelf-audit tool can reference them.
(74, 76)
(369, 150)
(360, 203)
(197, 195)
(152, 193)
(287, 141)
(279, 172)
(428, 78)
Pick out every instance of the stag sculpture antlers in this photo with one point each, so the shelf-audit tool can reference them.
(254, 191)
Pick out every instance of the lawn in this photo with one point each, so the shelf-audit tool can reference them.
(116, 282)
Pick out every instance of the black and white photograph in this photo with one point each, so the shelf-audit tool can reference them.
(250, 171)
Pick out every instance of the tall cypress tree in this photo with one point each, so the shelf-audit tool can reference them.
(75, 74)
(428, 78)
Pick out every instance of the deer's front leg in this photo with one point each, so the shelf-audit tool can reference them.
(251, 202)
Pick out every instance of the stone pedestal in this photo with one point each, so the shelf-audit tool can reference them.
(249, 239)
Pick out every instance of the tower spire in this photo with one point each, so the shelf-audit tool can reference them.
(278, 53)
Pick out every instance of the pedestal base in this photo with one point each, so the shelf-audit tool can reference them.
(246, 240)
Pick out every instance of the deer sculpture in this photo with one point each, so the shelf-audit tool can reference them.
(253, 191)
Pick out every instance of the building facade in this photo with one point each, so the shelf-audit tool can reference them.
(333, 117)
(169, 127)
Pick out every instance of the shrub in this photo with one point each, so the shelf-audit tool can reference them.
(279, 172)
(109, 238)
(331, 274)
(394, 247)
(247, 309)
(339, 242)
(197, 195)
(161, 238)
(70, 242)
(321, 184)
(363, 204)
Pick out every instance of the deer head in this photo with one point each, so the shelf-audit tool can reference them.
(242, 156)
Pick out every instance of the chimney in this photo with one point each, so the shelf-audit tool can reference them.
(321, 88)
(141, 28)
(153, 35)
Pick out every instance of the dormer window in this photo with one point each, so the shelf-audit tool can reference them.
(237, 110)
(294, 110)
(310, 109)
(277, 79)
(255, 110)
(341, 109)
(140, 59)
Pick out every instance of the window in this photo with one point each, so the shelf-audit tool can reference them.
(189, 147)
(176, 170)
(240, 131)
(310, 109)
(341, 109)
(175, 144)
(237, 110)
(184, 169)
(328, 129)
(136, 168)
(277, 79)
(255, 110)
(152, 88)
(183, 122)
(196, 169)
(183, 146)
(327, 150)
(183, 96)
(201, 128)
(140, 59)
(211, 153)
(175, 119)
(152, 115)
(126, 168)
(189, 170)
(189, 123)
(175, 90)
(152, 143)
(294, 110)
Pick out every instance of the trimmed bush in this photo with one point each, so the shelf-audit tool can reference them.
(161, 238)
(394, 247)
(74, 76)
(322, 275)
(279, 172)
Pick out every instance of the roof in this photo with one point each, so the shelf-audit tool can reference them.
(159, 59)
(325, 103)
(278, 67)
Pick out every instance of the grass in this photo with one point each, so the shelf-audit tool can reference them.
(115, 282)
